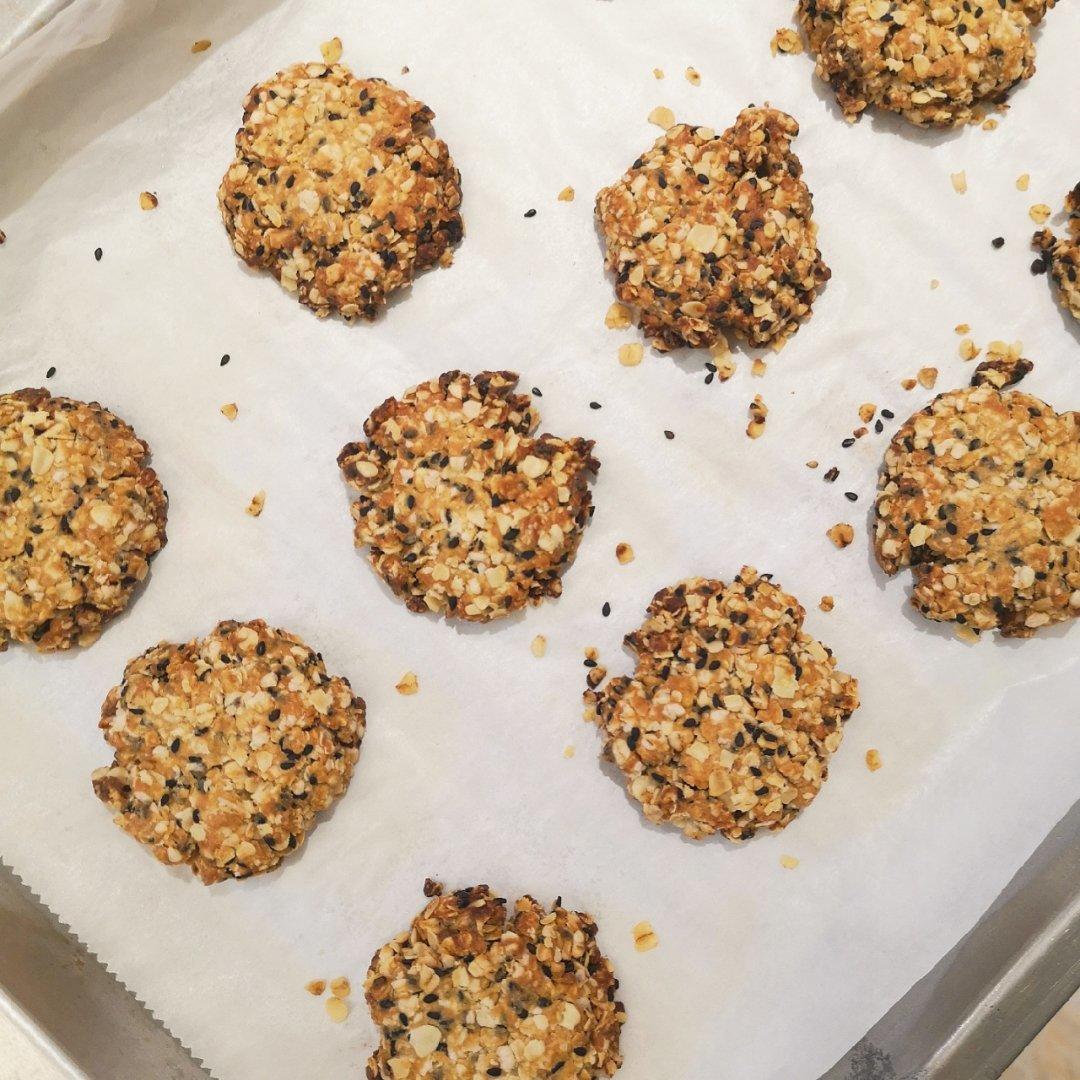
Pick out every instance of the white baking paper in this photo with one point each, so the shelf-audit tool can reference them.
(762, 972)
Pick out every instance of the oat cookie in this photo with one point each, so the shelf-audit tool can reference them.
(339, 188)
(81, 515)
(935, 62)
(227, 747)
(1063, 255)
(466, 993)
(707, 233)
(467, 512)
(728, 723)
(980, 496)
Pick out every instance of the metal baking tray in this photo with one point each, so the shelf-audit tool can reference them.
(63, 1014)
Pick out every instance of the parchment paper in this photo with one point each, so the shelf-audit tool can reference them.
(761, 972)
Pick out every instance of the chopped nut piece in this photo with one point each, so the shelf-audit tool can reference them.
(1023, 181)
(826, 603)
(331, 50)
(662, 117)
(538, 646)
(566, 195)
(758, 368)
(968, 349)
(788, 862)
(624, 553)
(336, 1009)
(867, 411)
(201, 45)
(693, 77)
(316, 987)
(927, 376)
(148, 200)
(963, 328)
(967, 634)
(230, 411)
(1039, 213)
(841, 534)
(258, 501)
(618, 317)
(645, 937)
(990, 124)
(658, 73)
(908, 384)
(340, 987)
(407, 684)
(873, 760)
(787, 41)
(758, 412)
(630, 354)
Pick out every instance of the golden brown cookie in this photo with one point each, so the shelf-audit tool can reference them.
(707, 233)
(935, 62)
(81, 515)
(980, 496)
(339, 188)
(467, 993)
(467, 512)
(730, 718)
(1063, 255)
(226, 748)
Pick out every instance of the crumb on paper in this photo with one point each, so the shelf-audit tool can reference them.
(336, 1009)
(340, 987)
(201, 45)
(658, 73)
(566, 195)
(989, 124)
(316, 987)
(873, 760)
(758, 368)
(1040, 213)
(934, 283)
(967, 634)
(404, 69)
(255, 507)
(662, 117)
(786, 41)
(538, 646)
(959, 182)
(148, 200)
(962, 328)
(867, 411)
(927, 377)
(693, 76)
(812, 463)
(758, 412)
(968, 349)
(630, 354)
(331, 50)
(618, 317)
(841, 534)
(624, 553)
(826, 603)
(788, 862)
(432, 887)
(407, 684)
(230, 411)
(645, 937)
(569, 751)
(1023, 181)
(908, 384)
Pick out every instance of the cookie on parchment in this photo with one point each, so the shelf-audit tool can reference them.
(226, 748)
(707, 233)
(339, 188)
(979, 496)
(81, 515)
(728, 723)
(467, 512)
(935, 62)
(1063, 255)
(469, 993)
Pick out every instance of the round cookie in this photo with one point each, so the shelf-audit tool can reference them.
(81, 515)
(227, 747)
(467, 512)
(465, 993)
(339, 188)
(935, 62)
(980, 496)
(1063, 255)
(707, 233)
(730, 718)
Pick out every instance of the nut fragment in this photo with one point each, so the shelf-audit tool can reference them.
(1023, 181)
(959, 182)
(908, 384)
(758, 412)
(624, 553)
(407, 684)
(201, 45)
(568, 752)
(258, 501)
(927, 376)
(658, 73)
(788, 862)
(336, 1009)
(1040, 213)
(826, 603)
(230, 411)
(316, 987)
(873, 760)
(148, 200)
(693, 77)
(331, 50)
(340, 987)
(867, 411)
(968, 349)
(630, 354)
(662, 117)
(618, 317)
(787, 41)
(538, 646)
(566, 195)
(841, 534)
(644, 937)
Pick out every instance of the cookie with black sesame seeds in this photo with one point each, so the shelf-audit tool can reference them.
(732, 713)
(979, 496)
(707, 233)
(227, 747)
(81, 515)
(472, 990)
(937, 63)
(339, 188)
(1063, 255)
(467, 512)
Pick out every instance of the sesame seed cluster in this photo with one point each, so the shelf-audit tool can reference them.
(937, 63)
(339, 188)
(466, 511)
(1063, 254)
(707, 233)
(81, 515)
(226, 747)
(472, 991)
(980, 496)
(732, 713)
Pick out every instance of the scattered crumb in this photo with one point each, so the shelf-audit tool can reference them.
(867, 411)
(336, 1009)
(148, 200)
(645, 937)
(408, 684)
(968, 349)
(758, 368)
(255, 507)
(658, 73)
(908, 384)
(662, 117)
(404, 69)
(811, 464)
(340, 987)
(3, 236)
(990, 124)
(934, 283)
(538, 646)
(624, 553)
(1040, 213)
(962, 328)
(787, 41)
(758, 412)
(201, 45)
(566, 195)
(1023, 181)
(841, 534)
(788, 862)
(967, 634)
(316, 987)
(826, 603)
(568, 752)
(959, 182)
(873, 760)
(630, 354)
(859, 432)
(725, 368)
(432, 887)
(618, 317)
(693, 76)
(230, 411)
(927, 377)
(331, 50)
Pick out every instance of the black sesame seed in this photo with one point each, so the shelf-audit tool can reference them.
(50, 373)
(530, 213)
(848, 442)
(225, 359)
(1038, 266)
(594, 404)
(998, 242)
(97, 254)
(831, 475)
(606, 609)
(851, 496)
(536, 392)
(888, 414)
(669, 434)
